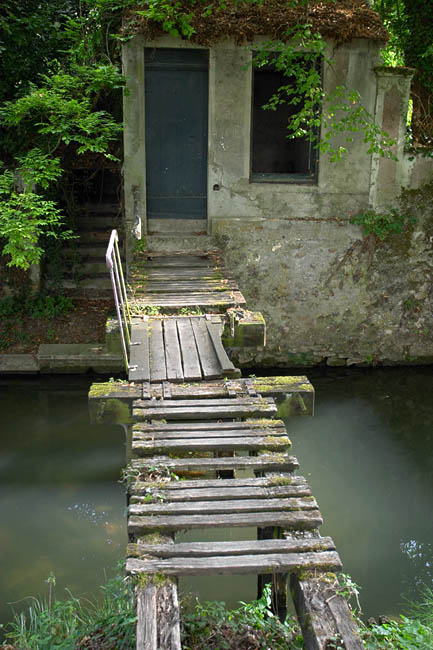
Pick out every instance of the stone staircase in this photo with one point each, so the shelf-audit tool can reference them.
(98, 211)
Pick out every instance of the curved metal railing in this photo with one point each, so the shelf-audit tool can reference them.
(114, 263)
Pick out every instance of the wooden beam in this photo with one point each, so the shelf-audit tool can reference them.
(240, 564)
(158, 618)
(299, 520)
(323, 613)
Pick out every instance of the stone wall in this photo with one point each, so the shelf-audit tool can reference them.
(330, 296)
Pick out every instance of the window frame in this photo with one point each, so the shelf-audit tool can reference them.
(277, 177)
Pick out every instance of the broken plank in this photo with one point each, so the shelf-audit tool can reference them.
(188, 349)
(158, 370)
(288, 520)
(139, 352)
(214, 334)
(241, 547)
(173, 360)
(208, 359)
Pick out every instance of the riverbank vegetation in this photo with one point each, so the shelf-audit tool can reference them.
(109, 624)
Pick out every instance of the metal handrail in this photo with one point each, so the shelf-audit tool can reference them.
(114, 263)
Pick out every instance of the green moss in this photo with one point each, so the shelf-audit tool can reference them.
(144, 580)
(278, 440)
(275, 481)
(152, 539)
(281, 380)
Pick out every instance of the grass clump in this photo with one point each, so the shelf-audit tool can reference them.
(77, 624)
(210, 626)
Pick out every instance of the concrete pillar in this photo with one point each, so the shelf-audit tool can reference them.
(392, 100)
(134, 174)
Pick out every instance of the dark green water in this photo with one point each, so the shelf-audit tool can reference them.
(368, 454)
(61, 505)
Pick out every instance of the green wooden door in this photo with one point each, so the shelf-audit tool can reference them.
(176, 100)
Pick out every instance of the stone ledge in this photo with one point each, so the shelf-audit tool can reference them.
(70, 358)
(18, 364)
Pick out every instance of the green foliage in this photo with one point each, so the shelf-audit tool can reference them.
(410, 26)
(403, 634)
(212, 627)
(382, 225)
(32, 34)
(63, 109)
(35, 306)
(73, 623)
(25, 215)
(336, 113)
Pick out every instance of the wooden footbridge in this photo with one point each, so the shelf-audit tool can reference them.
(207, 450)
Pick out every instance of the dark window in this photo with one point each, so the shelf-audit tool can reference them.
(274, 156)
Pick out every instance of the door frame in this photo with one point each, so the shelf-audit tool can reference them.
(136, 226)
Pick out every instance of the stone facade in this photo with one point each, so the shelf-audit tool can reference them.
(328, 295)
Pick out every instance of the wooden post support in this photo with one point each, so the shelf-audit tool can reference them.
(158, 619)
(323, 613)
(278, 580)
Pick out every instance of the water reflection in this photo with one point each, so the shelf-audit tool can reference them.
(368, 455)
(61, 504)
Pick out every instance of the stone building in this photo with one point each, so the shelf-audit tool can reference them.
(202, 156)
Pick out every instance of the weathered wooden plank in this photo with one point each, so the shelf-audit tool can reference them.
(241, 547)
(190, 299)
(266, 462)
(158, 618)
(158, 370)
(223, 507)
(188, 261)
(323, 614)
(139, 352)
(289, 520)
(214, 334)
(252, 443)
(272, 435)
(238, 564)
(271, 480)
(182, 286)
(208, 359)
(173, 360)
(224, 402)
(217, 493)
(188, 349)
(162, 412)
(247, 426)
(170, 273)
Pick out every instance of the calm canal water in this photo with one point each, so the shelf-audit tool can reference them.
(367, 453)
(61, 505)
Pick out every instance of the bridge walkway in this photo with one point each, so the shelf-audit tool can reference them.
(208, 451)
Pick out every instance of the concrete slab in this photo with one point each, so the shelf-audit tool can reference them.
(16, 364)
(77, 358)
